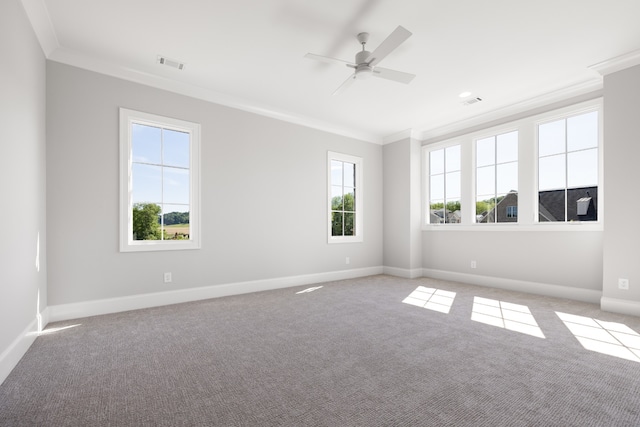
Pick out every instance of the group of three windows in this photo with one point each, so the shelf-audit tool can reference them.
(567, 174)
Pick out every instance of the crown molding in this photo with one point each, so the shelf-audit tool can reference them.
(75, 59)
(40, 20)
(582, 88)
(618, 63)
(407, 133)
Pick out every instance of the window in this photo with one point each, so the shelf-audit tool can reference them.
(568, 169)
(496, 178)
(535, 173)
(345, 198)
(444, 185)
(159, 182)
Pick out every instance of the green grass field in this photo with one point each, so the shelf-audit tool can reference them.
(177, 228)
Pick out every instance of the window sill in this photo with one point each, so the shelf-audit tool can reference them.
(558, 226)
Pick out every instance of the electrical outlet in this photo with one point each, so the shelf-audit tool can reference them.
(347, 261)
(167, 277)
(473, 264)
(623, 284)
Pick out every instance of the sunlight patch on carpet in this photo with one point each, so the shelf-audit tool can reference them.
(613, 339)
(514, 317)
(54, 330)
(305, 291)
(431, 299)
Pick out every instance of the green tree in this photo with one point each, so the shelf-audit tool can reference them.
(146, 225)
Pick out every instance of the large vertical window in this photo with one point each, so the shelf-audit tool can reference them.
(345, 197)
(444, 185)
(159, 182)
(568, 169)
(497, 178)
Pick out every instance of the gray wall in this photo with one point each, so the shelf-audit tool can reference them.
(263, 186)
(22, 174)
(565, 258)
(402, 207)
(622, 176)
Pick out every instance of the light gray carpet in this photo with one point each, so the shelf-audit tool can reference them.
(347, 354)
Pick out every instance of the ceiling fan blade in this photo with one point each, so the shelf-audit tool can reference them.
(396, 76)
(329, 60)
(345, 85)
(389, 44)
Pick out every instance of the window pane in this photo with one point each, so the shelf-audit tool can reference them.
(176, 222)
(146, 183)
(176, 185)
(507, 147)
(146, 221)
(452, 157)
(175, 148)
(336, 172)
(486, 181)
(485, 152)
(551, 138)
(349, 225)
(551, 173)
(484, 209)
(336, 224)
(507, 177)
(452, 190)
(582, 131)
(349, 200)
(453, 211)
(436, 187)
(146, 143)
(349, 174)
(582, 204)
(336, 198)
(436, 162)
(436, 209)
(582, 168)
(507, 209)
(551, 206)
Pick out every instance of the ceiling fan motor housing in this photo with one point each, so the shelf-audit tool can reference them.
(363, 70)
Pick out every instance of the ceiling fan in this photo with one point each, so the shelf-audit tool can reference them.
(366, 62)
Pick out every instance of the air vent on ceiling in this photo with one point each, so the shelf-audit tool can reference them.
(471, 101)
(163, 60)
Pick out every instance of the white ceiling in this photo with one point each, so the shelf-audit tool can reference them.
(249, 54)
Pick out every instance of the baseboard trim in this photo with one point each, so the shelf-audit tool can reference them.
(621, 306)
(12, 355)
(557, 291)
(135, 302)
(405, 273)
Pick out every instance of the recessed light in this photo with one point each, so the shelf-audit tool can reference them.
(464, 94)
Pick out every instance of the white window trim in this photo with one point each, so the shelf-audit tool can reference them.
(127, 244)
(359, 229)
(527, 128)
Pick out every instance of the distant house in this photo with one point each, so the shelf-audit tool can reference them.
(437, 216)
(581, 205)
(506, 210)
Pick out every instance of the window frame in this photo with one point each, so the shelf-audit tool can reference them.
(503, 130)
(565, 114)
(359, 199)
(127, 118)
(426, 162)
